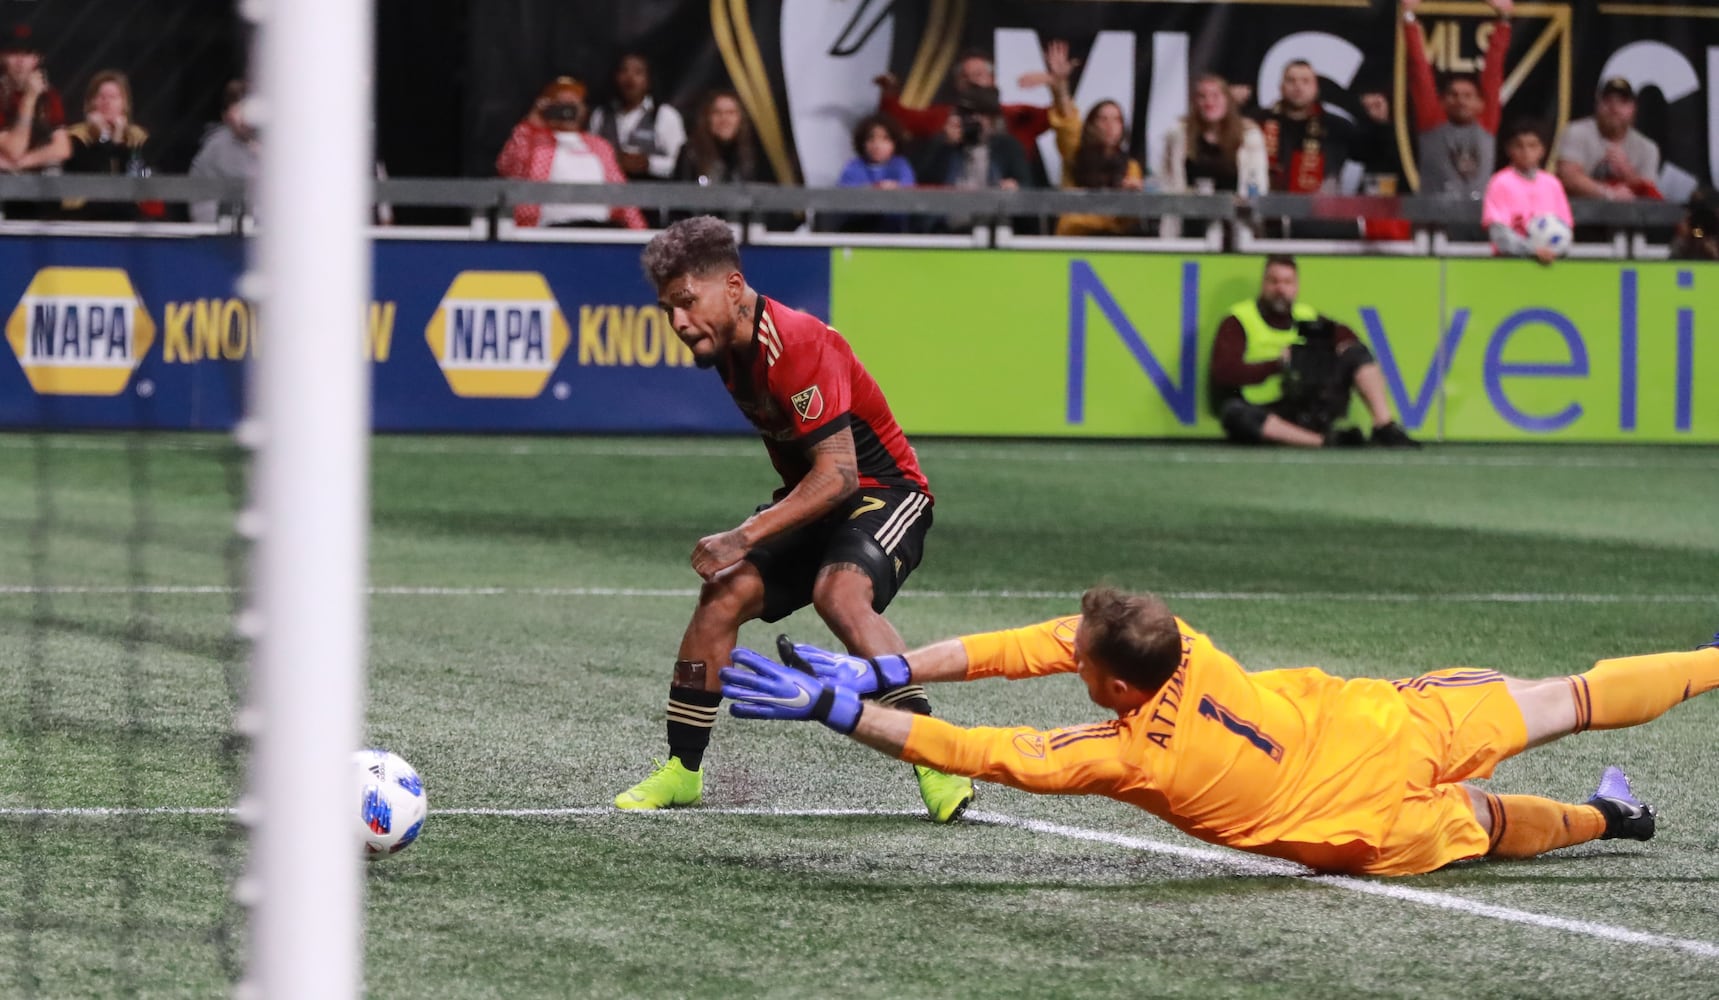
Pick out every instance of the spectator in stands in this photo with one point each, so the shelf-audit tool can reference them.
(973, 78)
(1094, 151)
(1375, 146)
(1697, 235)
(1283, 374)
(1375, 149)
(1241, 95)
(721, 149)
(876, 164)
(1603, 156)
(973, 152)
(647, 136)
(1212, 148)
(1305, 147)
(1519, 193)
(108, 142)
(550, 144)
(1215, 144)
(1457, 128)
(32, 116)
(229, 150)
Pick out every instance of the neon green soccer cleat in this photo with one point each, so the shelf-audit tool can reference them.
(671, 784)
(946, 796)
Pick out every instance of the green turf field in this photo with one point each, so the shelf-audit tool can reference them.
(530, 596)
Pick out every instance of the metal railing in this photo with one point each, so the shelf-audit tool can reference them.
(758, 208)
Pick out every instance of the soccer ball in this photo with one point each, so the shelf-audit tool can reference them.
(391, 802)
(1549, 231)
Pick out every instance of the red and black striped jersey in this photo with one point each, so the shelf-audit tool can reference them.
(801, 383)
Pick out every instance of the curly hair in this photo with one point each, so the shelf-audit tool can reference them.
(863, 130)
(699, 246)
(1133, 636)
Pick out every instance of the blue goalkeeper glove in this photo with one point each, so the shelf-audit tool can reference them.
(859, 674)
(764, 689)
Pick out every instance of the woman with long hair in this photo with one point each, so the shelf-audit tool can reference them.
(1094, 151)
(1098, 160)
(1213, 148)
(720, 149)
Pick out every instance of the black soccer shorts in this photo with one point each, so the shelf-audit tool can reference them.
(881, 530)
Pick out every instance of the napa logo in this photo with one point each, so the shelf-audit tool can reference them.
(498, 334)
(80, 331)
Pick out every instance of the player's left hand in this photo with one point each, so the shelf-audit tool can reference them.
(764, 689)
(715, 553)
(859, 674)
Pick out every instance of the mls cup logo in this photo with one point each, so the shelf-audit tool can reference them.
(830, 51)
(1458, 36)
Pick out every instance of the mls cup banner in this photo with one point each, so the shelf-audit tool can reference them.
(804, 68)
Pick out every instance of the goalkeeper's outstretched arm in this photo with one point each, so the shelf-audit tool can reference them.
(1031, 651)
(1015, 653)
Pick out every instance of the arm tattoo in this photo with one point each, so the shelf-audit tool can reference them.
(839, 447)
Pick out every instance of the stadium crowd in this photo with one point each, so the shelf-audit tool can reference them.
(971, 140)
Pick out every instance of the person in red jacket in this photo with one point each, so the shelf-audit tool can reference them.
(550, 144)
(973, 77)
(1457, 129)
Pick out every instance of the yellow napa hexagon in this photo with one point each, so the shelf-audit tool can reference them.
(498, 334)
(80, 331)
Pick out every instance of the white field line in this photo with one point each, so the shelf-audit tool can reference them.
(1241, 863)
(724, 448)
(680, 593)
(102, 812)
(1389, 890)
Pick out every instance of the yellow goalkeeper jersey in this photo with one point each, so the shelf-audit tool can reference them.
(1297, 764)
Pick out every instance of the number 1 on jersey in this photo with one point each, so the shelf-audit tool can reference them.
(1210, 709)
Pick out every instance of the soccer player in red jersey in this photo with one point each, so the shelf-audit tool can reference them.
(842, 533)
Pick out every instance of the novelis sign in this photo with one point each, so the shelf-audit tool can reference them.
(1118, 345)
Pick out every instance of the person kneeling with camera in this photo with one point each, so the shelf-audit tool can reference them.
(1282, 374)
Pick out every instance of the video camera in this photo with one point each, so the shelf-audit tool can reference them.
(974, 105)
(1320, 332)
(1312, 378)
(561, 111)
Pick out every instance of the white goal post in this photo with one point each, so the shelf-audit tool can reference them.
(310, 406)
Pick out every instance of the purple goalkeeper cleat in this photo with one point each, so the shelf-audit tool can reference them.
(1710, 645)
(1627, 817)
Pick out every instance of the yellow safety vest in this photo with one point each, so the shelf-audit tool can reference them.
(1266, 343)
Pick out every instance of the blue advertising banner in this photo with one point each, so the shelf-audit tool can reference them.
(148, 333)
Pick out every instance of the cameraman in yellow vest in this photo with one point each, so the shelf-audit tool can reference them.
(1282, 374)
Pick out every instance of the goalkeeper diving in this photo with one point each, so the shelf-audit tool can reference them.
(1362, 775)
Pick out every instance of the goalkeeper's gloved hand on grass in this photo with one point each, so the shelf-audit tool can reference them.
(764, 689)
(859, 674)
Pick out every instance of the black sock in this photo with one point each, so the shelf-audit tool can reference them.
(691, 713)
(911, 697)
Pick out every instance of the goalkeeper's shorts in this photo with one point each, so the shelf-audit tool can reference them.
(1462, 723)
